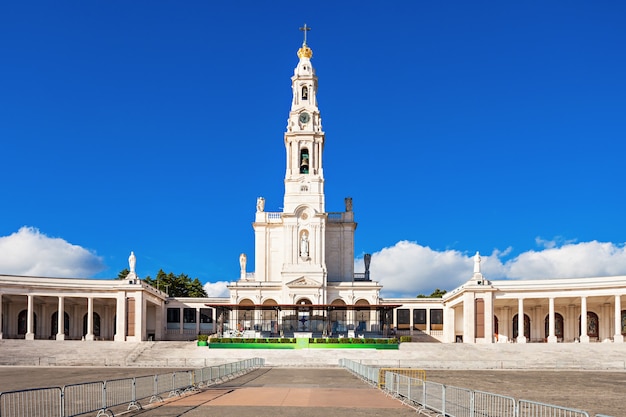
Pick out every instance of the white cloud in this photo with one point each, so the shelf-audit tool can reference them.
(217, 289)
(578, 260)
(408, 269)
(32, 253)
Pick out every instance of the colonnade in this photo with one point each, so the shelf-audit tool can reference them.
(583, 318)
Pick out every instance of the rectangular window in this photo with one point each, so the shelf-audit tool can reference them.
(189, 318)
(173, 318)
(419, 319)
(206, 320)
(404, 319)
(436, 319)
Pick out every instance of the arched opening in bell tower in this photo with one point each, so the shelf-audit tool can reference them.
(305, 93)
(304, 161)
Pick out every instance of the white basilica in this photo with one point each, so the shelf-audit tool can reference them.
(304, 281)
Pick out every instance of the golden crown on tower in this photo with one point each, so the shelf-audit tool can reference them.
(305, 52)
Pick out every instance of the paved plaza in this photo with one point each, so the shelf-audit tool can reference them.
(334, 391)
(590, 377)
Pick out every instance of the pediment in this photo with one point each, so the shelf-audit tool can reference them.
(303, 282)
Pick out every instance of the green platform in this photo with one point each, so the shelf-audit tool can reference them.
(304, 343)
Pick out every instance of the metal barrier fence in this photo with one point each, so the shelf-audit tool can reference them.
(410, 372)
(456, 402)
(100, 397)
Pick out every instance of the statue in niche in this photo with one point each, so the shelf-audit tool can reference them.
(348, 201)
(242, 261)
(304, 246)
(132, 261)
(260, 204)
(305, 93)
(477, 263)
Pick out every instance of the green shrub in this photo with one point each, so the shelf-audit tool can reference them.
(369, 340)
(286, 340)
(203, 337)
(382, 341)
(260, 340)
(405, 339)
(357, 341)
(392, 341)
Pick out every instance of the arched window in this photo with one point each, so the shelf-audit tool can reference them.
(96, 324)
(558, 326)
(305, 92)
(22, 322)
(496, 327)
(304, 161)
(526, 326)
(593, 325)
(54, 324)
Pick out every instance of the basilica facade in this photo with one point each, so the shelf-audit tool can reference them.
(304, 283)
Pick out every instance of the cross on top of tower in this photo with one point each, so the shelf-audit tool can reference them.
(305, 29)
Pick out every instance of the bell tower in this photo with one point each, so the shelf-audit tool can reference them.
(304, 254)
(304, 138)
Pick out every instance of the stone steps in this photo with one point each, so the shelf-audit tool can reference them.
(600, 356)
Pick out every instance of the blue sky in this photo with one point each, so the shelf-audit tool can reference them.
(455, 126)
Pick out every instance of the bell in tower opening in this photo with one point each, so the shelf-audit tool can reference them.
(304, 161)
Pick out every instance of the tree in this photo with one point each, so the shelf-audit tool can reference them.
(177, 285)
(435, 294)
(123, 274)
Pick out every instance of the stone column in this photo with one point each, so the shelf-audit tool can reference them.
(521, 338)
(605, 323)
(120, 317)
(449, 325)
(428, 321)
(61, 319)
(181, 320)
(1, 317)
(584, 337)
(30, 334)
(469, 318)
(141, 308)
(89, 335)
(158, 330)
(197, 320)
(551, 336)
(489, 313)
(617, 337)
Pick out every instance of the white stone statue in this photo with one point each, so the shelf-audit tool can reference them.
(304, 245)
(131, 262)
(477, 263)
(242, 262)
(260, 204)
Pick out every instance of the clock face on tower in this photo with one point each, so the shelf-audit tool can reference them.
(304, 117)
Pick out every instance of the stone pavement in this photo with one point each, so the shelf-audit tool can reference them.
(590, 377)
(319, 391)
(271, 392)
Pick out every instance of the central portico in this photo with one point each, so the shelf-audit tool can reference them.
(304, 255)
